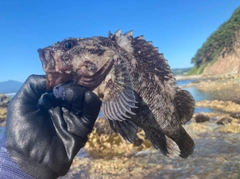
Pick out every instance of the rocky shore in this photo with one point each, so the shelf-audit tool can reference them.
(209, 83)
(109, 155)
(215, 134)
(4, 101)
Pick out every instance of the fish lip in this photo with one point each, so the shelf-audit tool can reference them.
(41, 55)
(51, 75)
(45, 61)
(55, 78)
(40, 51)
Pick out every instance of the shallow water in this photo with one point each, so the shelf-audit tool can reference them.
(229, 92)
(216, 155)
(212, 159)
(199, 95)
(1, 132)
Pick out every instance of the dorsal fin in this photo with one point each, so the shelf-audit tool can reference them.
(124, 41)
(129, 33)
(118, 33)
(110, 35)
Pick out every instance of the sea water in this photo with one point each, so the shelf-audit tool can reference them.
(196, 93)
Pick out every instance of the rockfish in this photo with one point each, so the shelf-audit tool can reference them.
(134, 83)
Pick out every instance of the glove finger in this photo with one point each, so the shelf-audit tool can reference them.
(82, 126)
(29, 94)
(91, 109)
(76, 127)
(58, 121)
(65, 127)
(48, 100)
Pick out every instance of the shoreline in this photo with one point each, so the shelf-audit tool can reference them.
(106, 155)
(193, 77)
(213, 83)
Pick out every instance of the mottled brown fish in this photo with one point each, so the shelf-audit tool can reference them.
(134, 82)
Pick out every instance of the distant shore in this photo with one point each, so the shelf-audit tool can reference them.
(218, 82)
(180, 77)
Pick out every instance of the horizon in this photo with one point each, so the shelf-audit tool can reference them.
(178, 29)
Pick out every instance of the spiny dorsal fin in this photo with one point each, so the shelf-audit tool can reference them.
(118, 33)
(141, 37)
(148, 55)
(123, 41)
(129, 33)
(150, 42)
(110, 35)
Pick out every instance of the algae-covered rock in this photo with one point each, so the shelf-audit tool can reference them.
(118, 167)
(227, 106)
(104, 142)
(4, 101)
(224, 121)
(231, 127)
(235, 115)
(3, 114)
(201, 118)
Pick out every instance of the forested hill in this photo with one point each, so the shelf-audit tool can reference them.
(219, 44)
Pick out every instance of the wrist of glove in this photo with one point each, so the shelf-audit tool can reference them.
(43, 136)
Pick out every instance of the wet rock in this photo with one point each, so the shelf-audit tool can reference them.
(233, 127)
(224, 121)
(102, 127)
(237, 101)
(227, 106)
(118, 167)
(4, 100)
(201, 118)
(138, 142)
(3, 115)
(215, 83)
(103, 142)
(235, 115)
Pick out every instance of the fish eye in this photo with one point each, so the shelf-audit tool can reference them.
(68, 44)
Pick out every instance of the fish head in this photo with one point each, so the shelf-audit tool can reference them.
(85, 61)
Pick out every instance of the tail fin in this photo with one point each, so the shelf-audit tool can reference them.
(182, 147)
(127, 129)
(185, 143)
(163, 143)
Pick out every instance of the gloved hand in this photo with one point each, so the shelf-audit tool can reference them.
(43, 136)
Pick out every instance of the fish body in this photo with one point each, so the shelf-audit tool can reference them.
(134, 82)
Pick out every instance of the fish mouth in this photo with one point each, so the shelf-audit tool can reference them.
(48, 62)
(53, 76)
(56, 76)
(54, 79)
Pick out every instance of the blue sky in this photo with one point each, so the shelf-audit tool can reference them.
(178, 28)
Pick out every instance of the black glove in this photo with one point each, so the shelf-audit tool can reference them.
(43, 136)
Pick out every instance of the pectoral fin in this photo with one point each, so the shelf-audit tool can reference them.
(118, 102)
(118, 94)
